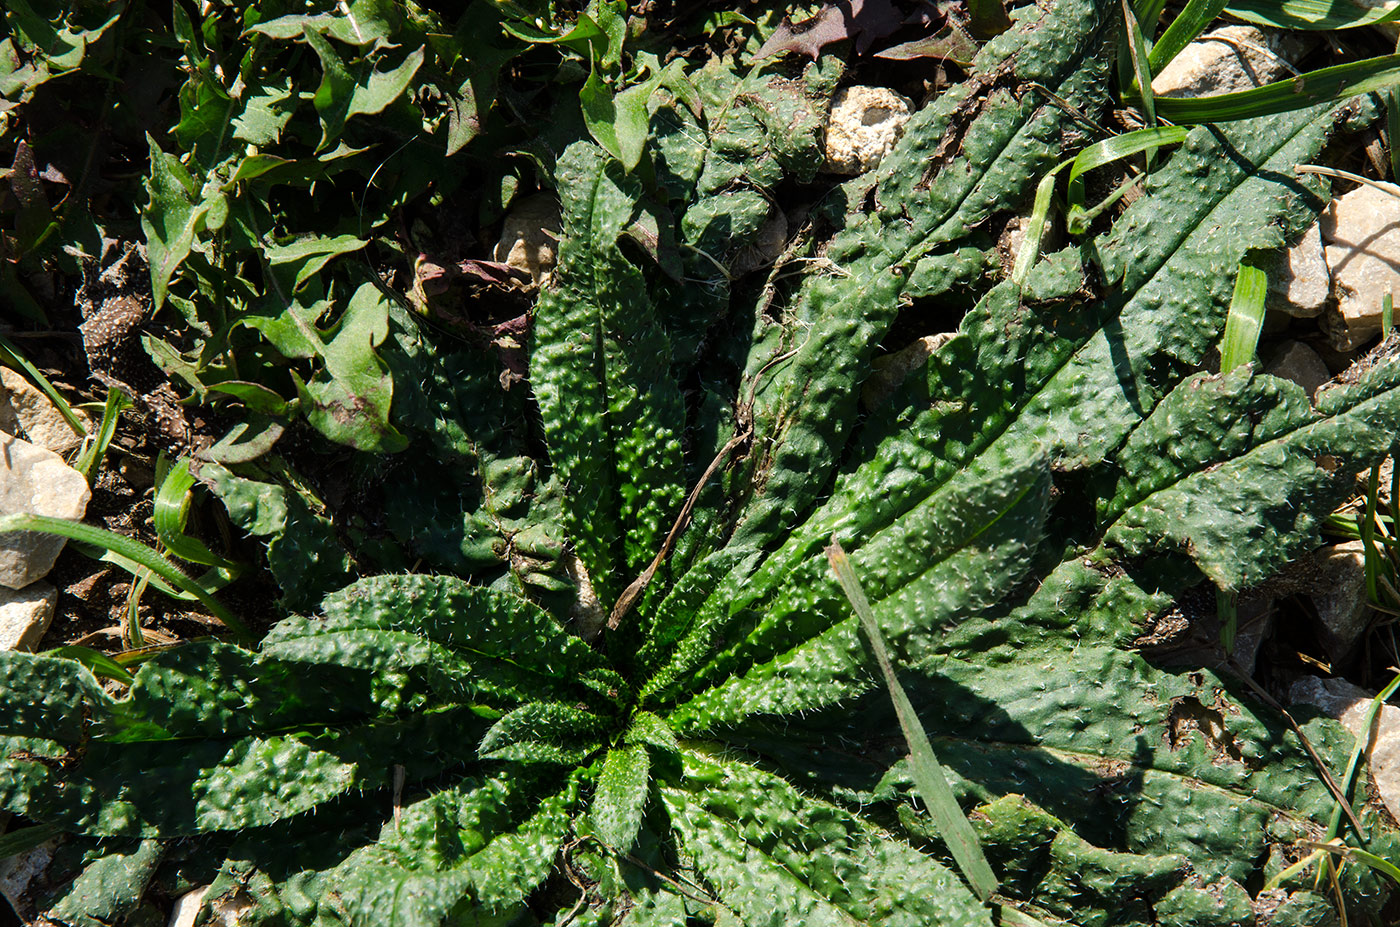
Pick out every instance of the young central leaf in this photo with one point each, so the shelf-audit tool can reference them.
(613, 417)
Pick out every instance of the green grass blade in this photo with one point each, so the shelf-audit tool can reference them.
(1392, 126)
(90, 460)
(171, 512)
(26, 839)
(1188, 25)
(1035, 226)
(1104, 153)
(929, 777)
(1312, 14)
(10, 357)
(1372, 861)
(1246, 318)
(132, 550)
(1148, 12)
(1334, 823)
(1339, 82)
(1142, 68)
(98, 663)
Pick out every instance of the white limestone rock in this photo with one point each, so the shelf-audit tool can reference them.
(1361, 235)
(1349, 704)
(186, 908)
(863, 124)
(25, 615)
(530, 236)
(1301, 284)
(24, 407)
(1226, 61)
(36, 481)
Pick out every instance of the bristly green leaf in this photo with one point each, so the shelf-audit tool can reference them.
(621, 796)
(1203, 488)
(600, 368)
(985, 145)
(778, 857)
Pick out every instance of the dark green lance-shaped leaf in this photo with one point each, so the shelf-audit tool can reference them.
(303, 553)
(1041, 363)
(110, 888)
(621, 796)
(965, 157)
(512, 646)
(366, 90)
(777, 857)
(1227, 468)
(1143, 760)
(955, 554)
(613, 417)
(545, 732)
(471, 854)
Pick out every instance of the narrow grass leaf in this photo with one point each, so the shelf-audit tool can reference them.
(1313, 14)
(171, 513)
(10, 357)
(132, 550)
(1334, 824)
(1246, 318)
(1147, 13)
(929, 777)
(1142, 69)
(1339, 82)
(100, 665)
(1104, 153)
(26, 838)
(1035, 226)
(1188, 25)
(1392, 130)
(90, 460)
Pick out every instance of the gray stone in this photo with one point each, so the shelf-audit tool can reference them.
(1226, 61)
(862, 126)
(36, 481)
(1301, 284)
(1361, 235)
(24, 406)
(1339, 595)
(1349, 705)
(25, 615)
(1299, 363)
(530, 236)
(21, 873)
